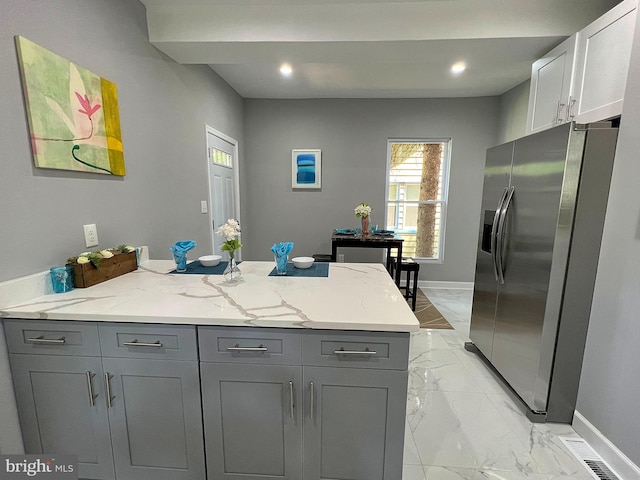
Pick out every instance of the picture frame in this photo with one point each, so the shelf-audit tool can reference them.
(306, 169)
(73, 113)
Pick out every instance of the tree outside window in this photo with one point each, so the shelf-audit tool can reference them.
(416, 202)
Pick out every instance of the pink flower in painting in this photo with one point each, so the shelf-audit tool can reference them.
(87, 109)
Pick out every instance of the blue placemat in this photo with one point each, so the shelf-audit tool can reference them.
(196, 267)
(315, 270)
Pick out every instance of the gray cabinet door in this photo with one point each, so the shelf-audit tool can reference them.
(252, 421)
(56, 413)
(354, 423)
(155, 418)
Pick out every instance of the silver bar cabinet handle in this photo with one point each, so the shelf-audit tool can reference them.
(41, 339)
(92, 396)
(291, 405)
(570, 105)
(238, 348)
(558, 111)
(366, 351)
(107, 382)
(136, 343)
(311, 399)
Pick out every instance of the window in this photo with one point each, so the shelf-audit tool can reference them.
(417, 195)
(219, 157)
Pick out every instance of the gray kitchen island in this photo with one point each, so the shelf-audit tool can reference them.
(155, 375)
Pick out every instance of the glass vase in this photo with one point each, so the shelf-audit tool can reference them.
(365, 225)
(232, 273)
(281, 264)
(181, 261)
(62, 278)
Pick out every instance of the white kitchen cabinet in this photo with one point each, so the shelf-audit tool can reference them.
(551, 87)
(604, 50)
(584, 78)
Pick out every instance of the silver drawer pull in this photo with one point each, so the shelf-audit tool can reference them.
(107, 383)
(92, 396)
(41, 339)
(291, 404)
(136, 343)
(238, 348)
(366, 351)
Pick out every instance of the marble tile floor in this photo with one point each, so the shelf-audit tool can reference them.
(461, 424)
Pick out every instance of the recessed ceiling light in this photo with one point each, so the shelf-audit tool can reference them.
(285, 69)
(458, 67)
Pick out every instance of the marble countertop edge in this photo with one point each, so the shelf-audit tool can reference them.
(360, 297)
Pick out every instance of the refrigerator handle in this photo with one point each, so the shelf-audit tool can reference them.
(500, 234)
(494, 232)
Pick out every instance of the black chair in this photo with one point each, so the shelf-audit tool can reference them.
(410, 266)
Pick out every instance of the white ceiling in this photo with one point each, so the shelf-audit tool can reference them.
(366, 48)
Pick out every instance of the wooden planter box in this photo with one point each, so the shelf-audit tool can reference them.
(86, 275)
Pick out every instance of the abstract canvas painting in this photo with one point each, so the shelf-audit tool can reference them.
(306, 169)
(74, 121)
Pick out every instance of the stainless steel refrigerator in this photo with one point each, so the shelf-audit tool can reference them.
(543, 208)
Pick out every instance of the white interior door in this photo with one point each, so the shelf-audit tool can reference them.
(223, 182)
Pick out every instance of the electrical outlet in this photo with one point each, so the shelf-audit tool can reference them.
(90, 235)
(203, 206)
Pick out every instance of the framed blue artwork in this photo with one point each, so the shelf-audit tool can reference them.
(306, 169)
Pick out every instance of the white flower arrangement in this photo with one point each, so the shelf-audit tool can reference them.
(363, 210)
(230, 231)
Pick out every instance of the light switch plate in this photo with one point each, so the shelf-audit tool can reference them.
(203, 206)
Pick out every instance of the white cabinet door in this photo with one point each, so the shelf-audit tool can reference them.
(551, 87)
(604, 50)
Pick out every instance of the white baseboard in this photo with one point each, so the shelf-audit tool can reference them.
(605, 448)
(451, 285)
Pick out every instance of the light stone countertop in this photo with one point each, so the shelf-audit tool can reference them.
(355, 296)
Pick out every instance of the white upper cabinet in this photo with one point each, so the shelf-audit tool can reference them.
(551, 87)
(583, 79)
(604, 50)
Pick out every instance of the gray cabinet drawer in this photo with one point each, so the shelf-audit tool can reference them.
(382, 350)
(170, 342)
(249, 345)
(53, 337)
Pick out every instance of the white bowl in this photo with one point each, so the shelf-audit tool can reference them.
(210, 260)
(302, 262)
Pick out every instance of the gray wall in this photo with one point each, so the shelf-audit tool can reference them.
(352, 135)
(513, 112)
(609, 392)
(163, 108)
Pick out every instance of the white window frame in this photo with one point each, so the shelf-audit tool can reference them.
(444, 201)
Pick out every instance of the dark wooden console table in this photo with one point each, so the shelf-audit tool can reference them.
(369, 241)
